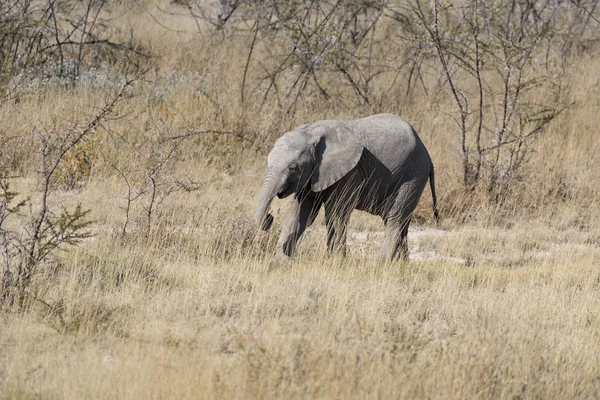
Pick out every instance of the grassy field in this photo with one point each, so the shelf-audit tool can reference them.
(500, 300)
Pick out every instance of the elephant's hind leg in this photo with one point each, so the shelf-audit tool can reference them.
(395, 244)
(301, 215)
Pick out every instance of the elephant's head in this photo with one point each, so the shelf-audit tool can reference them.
(311, 157)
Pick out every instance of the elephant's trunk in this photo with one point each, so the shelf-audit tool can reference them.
(268, 191)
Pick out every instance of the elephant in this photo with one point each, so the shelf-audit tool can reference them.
(376, 164)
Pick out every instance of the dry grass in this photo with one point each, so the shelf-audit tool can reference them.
(500, 301)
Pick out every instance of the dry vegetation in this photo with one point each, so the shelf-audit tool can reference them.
(166, 293)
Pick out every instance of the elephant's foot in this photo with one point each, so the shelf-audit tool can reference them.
(278, 261)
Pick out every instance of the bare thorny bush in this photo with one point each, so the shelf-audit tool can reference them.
(153, 182)
(58, 35)
(304, 43)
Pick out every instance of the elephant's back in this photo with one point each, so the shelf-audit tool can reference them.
(392, 140)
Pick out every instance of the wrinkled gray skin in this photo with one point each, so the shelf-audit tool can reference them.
(377, 164)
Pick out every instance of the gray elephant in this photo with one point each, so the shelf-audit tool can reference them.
(376, 164)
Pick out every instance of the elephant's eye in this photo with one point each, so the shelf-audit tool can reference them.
(294, 167)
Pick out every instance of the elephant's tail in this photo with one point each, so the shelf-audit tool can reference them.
(434, 197)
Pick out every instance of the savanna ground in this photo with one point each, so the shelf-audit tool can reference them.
(168, 293)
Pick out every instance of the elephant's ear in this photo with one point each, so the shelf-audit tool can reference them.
(337, 151)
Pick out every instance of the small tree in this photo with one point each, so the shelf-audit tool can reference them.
(25, 248)
(28, 239)
(502, 99)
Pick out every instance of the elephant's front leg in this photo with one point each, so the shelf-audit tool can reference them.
(337, 216)
(301, 215)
